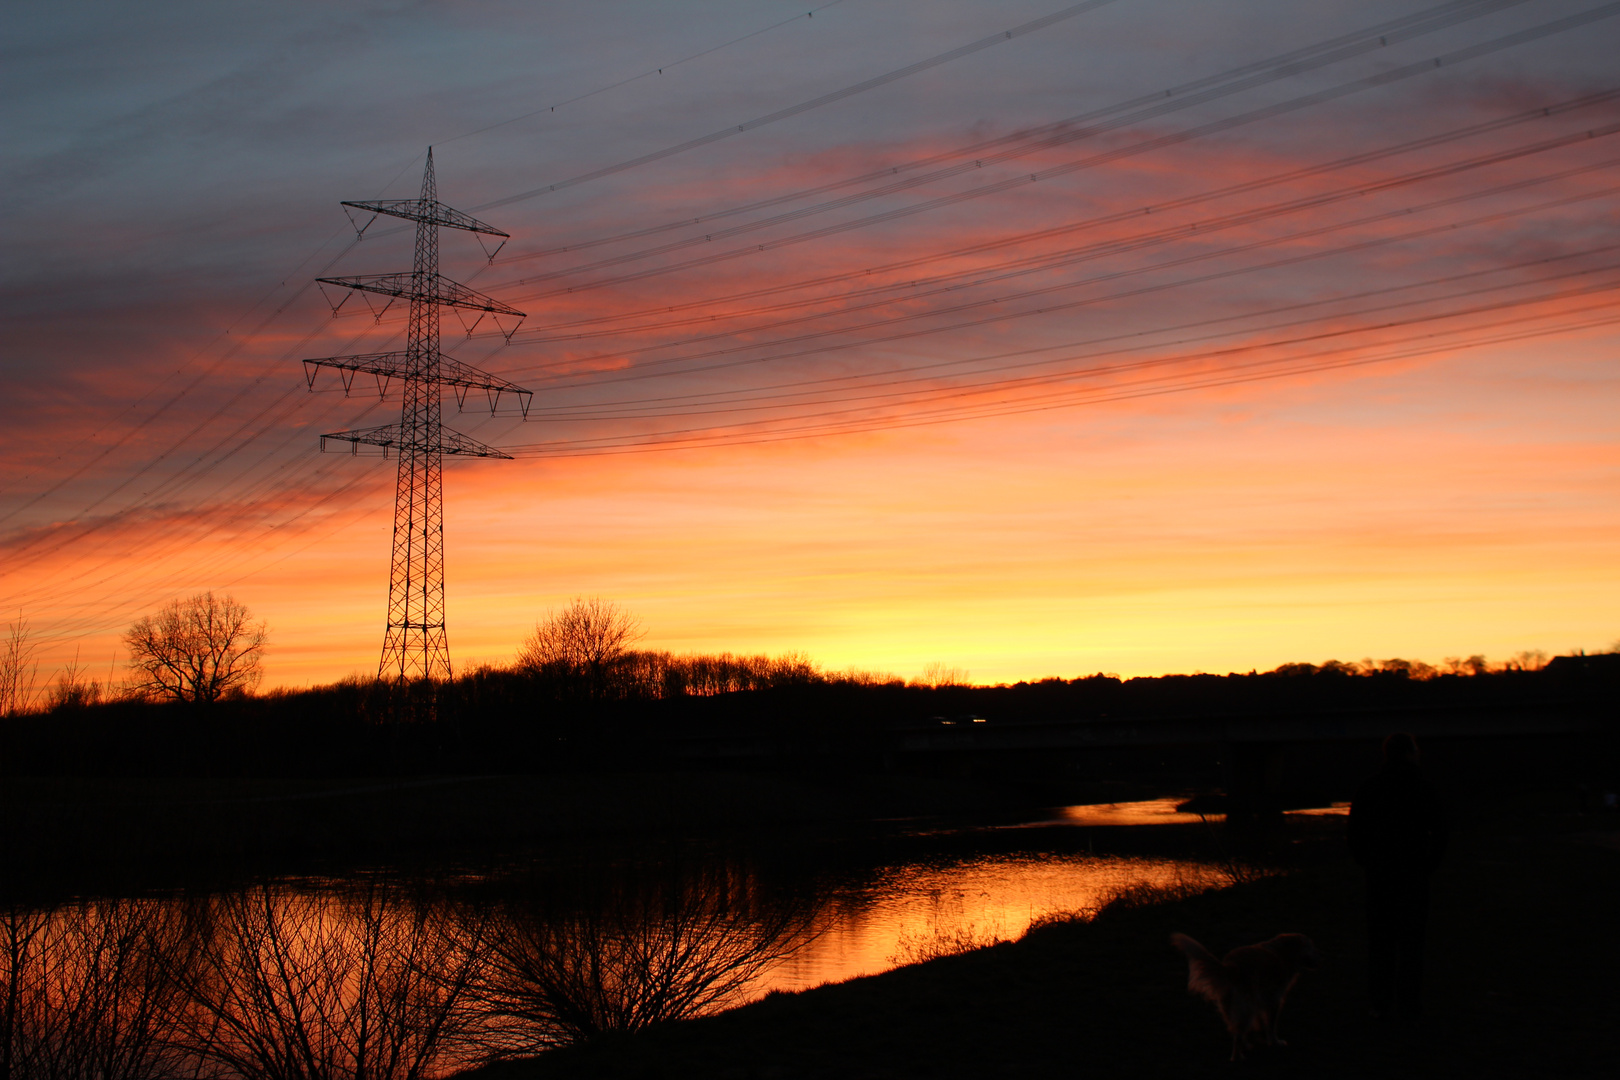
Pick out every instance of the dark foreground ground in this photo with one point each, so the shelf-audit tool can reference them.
(1524, 955)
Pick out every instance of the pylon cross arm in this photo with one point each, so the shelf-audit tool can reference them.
(397, 365)
(388, 435)
(440, 290)
(433, 213)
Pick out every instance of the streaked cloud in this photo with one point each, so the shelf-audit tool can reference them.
(1335, 379)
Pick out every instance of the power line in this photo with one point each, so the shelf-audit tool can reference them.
(1045, 262)
(667, 367)
(660, 442)
(957, 53)
(532, 334)
(704, 404)
(648, 74)
(1084, 125)
(1267, 112)
(216, 467)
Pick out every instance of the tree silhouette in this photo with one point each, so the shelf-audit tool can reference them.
(630, 957)
(18, 669)
(196, 650)
(582, 643)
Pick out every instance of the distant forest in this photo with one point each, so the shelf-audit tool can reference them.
(638, 708)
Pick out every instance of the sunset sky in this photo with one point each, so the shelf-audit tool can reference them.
(1138, 336)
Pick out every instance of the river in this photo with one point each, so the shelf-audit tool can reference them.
(446, 965)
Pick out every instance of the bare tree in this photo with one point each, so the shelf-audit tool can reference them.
(86, 991)
(937, 674)
(369, 985)
(74, 688)
(582, 642)
(18, 669)
(630, 959)
(196, 650)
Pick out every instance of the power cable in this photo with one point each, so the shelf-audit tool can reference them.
(667, 367)
(1047, 261)
(648, 74)
(532, 334)
(957, 53)
(1135, 111)
(1271, 111)
(727, 401)
(651, 443)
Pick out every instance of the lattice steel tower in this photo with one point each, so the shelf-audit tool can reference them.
(415, 645)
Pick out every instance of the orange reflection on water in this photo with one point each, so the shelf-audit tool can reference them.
(1146, 812)
(1332, 810)
(916, 910)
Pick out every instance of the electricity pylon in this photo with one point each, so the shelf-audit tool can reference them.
(415, 645)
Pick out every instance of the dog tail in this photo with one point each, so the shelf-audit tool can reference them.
(1206, 976)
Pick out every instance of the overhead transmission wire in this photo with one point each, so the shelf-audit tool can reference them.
(666, 368)
(1402, 26)
(1046, 262)
(244, 435)
(181, 483)
(197, 526)
(208, 461)
(228, 515)
(860, 393)
(242, 500)
(1002, 383)
(1476, 49)
(214, 368)
(1266, 112)
(1444, 227)
(1020, 239)
(1141, 290)
(648, 74)
(353, 243)
(856, 385)
(156, 565)
(1021, 30)
(668, 441)
(211, 370)
(1447, 12)
(1364, 244)
(1312, 361)
(17, 558)
(957, 53)
(1058, 133)
(699, 398)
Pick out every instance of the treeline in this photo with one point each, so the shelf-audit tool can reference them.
(645, 675)
(646, 709)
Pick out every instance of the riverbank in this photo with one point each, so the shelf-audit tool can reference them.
(1524, 945)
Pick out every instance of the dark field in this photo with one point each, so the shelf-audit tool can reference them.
(1524, 946)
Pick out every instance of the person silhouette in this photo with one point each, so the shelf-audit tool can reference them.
(1398, 835)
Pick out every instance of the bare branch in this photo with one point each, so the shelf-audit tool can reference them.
(196, 650)
(18, 669)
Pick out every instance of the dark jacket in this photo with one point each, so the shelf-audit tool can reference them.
(1397, 825)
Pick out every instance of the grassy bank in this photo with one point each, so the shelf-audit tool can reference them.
(1524, 944)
